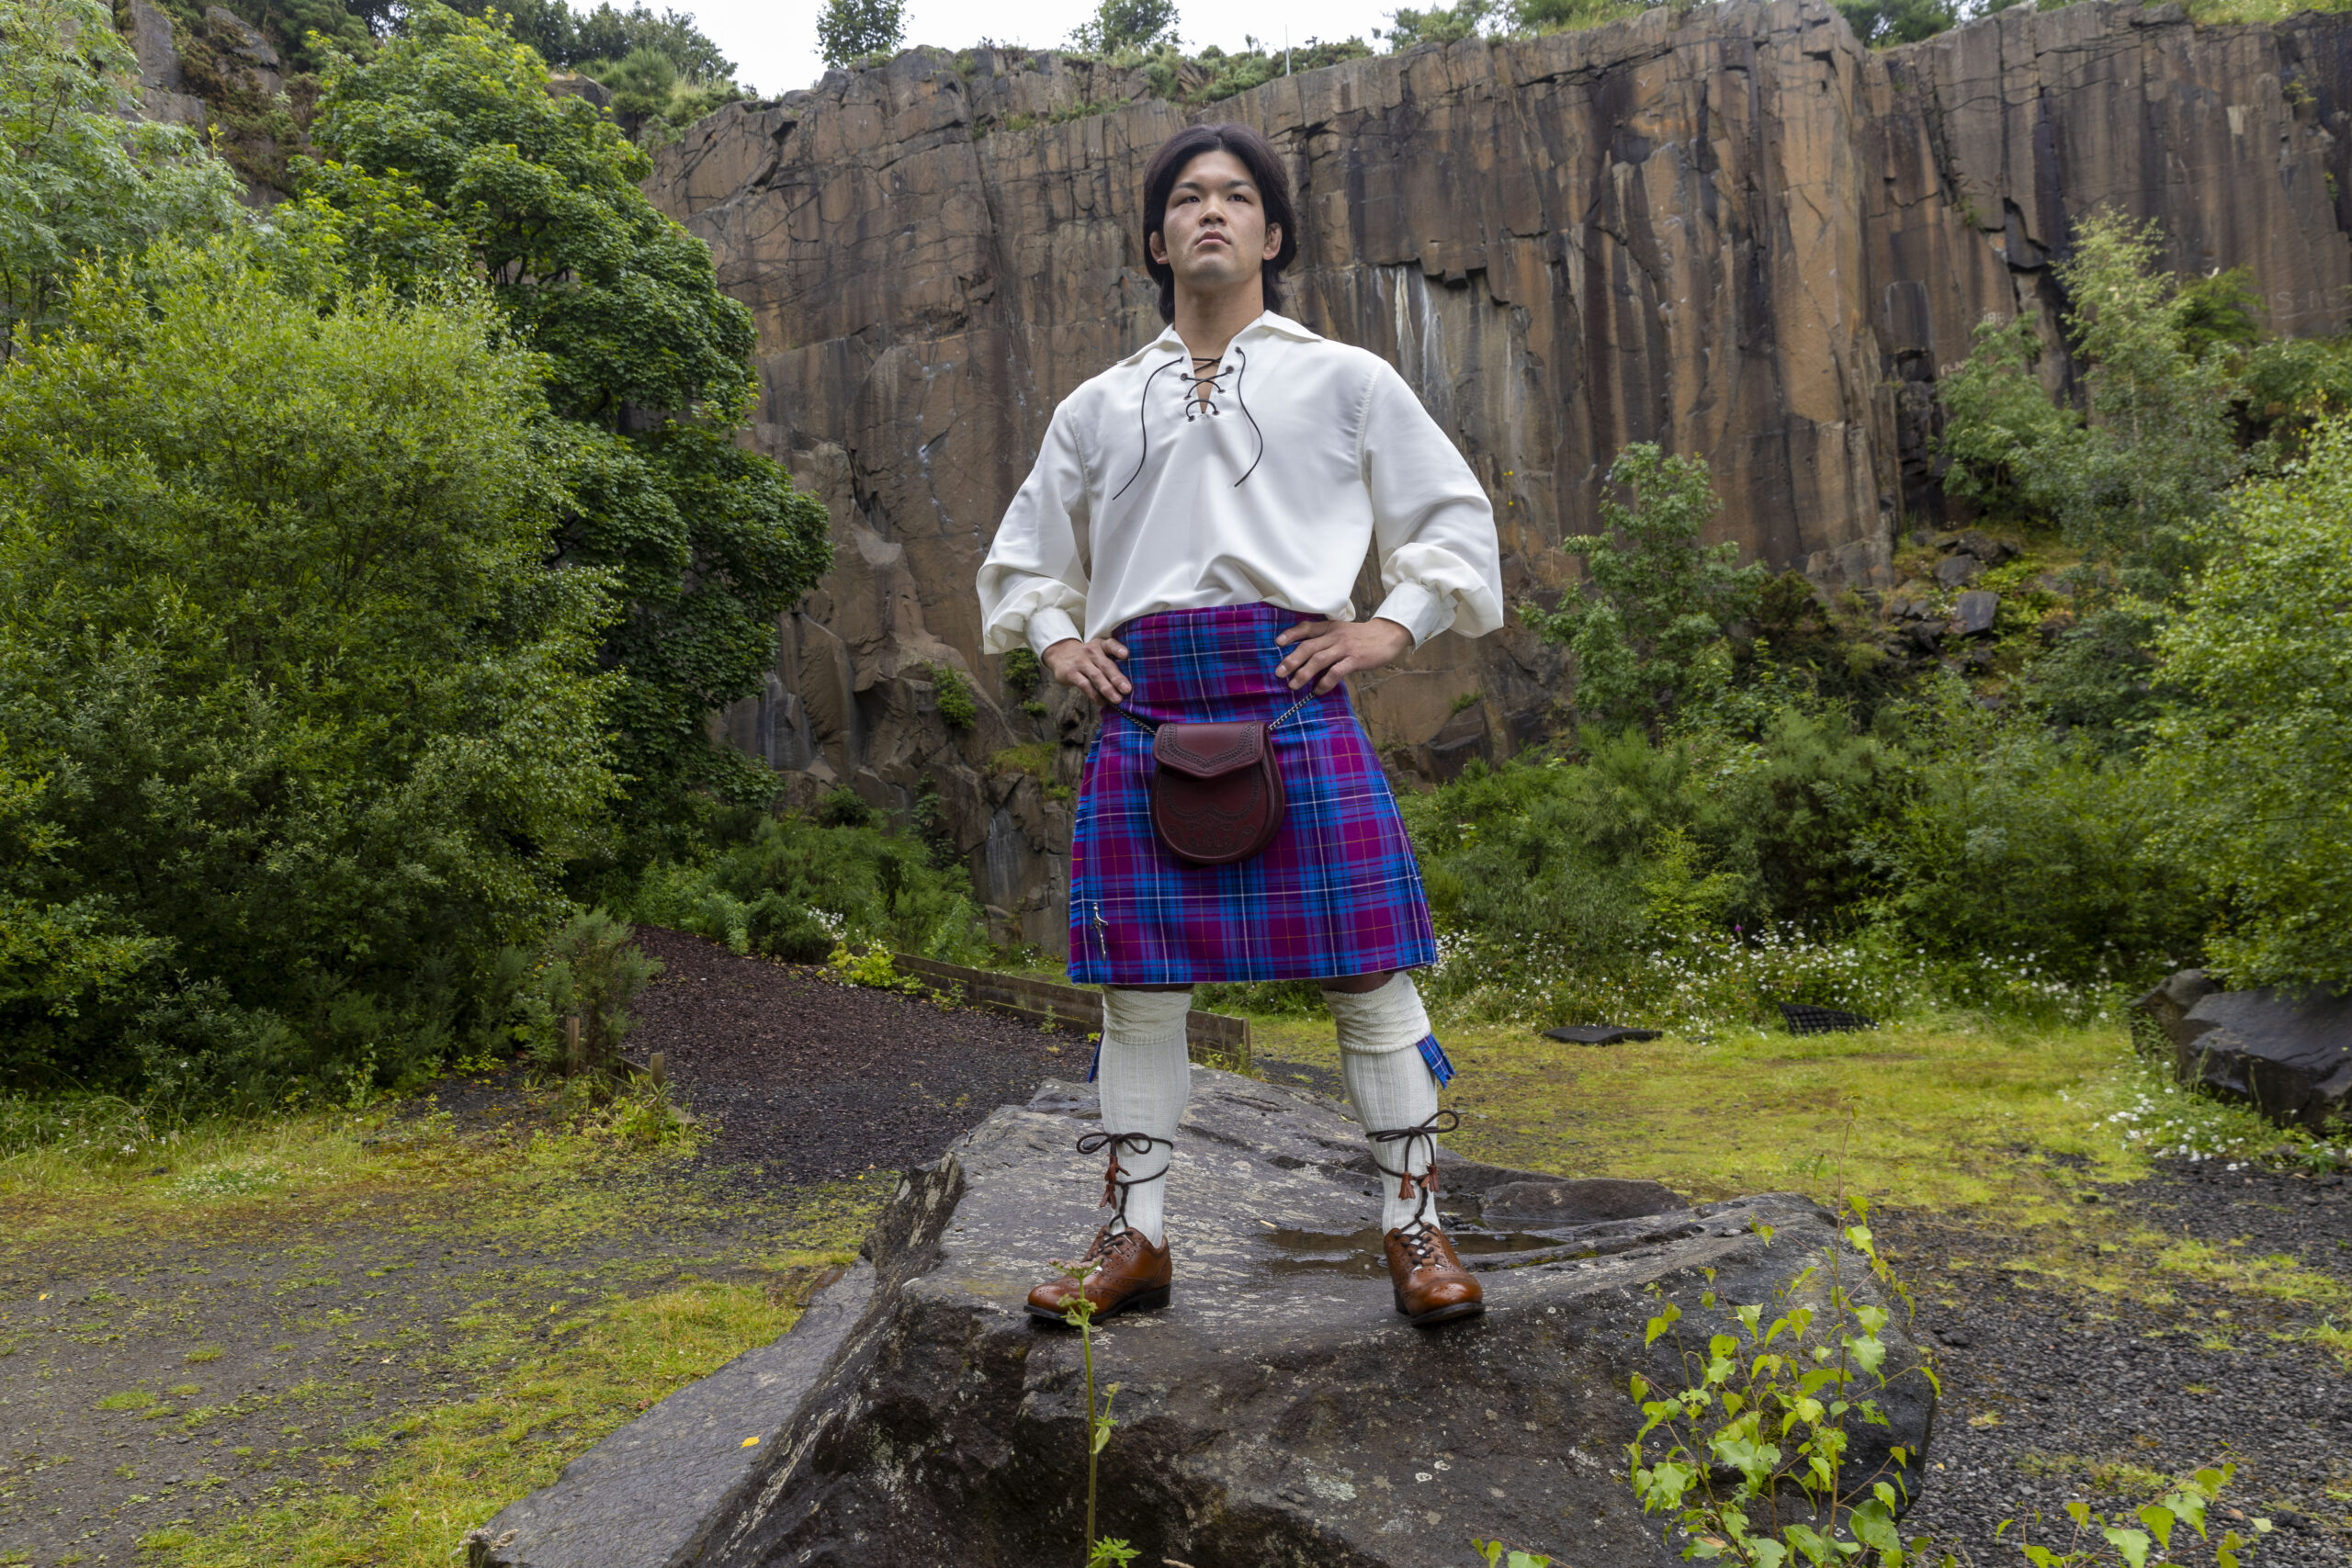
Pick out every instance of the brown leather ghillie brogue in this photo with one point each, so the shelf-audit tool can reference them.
(1431, 1285)
(1134, 1277)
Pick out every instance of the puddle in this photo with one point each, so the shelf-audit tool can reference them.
(1360, 1253)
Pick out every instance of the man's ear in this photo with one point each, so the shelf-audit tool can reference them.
(1159, 247)
(1273, 240)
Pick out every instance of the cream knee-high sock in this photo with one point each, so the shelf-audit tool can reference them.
(1391, 1084)
(1144, 1078)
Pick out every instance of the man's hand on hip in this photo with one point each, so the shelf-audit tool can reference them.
(1091, 666)
(1328, 651)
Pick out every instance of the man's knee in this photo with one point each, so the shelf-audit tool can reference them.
(1356, 985)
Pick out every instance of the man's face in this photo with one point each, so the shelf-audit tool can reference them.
(1215, 235)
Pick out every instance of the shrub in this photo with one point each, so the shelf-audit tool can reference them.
(795, 878)
(958, 709)
(1648, 638)
(76, 179)
(2257, 774)
(315, 729)
(1022, 670)
(590, 969)
(2009, 839)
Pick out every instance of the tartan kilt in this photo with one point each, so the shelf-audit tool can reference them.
(1337, 892)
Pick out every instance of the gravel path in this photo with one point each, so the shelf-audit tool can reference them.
(810, 1079)
(2052, 1395)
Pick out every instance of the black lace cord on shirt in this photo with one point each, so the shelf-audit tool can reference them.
(1239, 377)
(1194, 397)
(1143, 419)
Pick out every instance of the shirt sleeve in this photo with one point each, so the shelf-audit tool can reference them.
(1432, 525)
(1032, 584)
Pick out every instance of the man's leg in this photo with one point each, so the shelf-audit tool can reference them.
(1143, 1077)
(1382, 1025)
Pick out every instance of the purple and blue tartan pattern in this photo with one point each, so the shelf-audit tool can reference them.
(1337, 892)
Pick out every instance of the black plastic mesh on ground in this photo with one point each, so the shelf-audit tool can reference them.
(1804, 1018)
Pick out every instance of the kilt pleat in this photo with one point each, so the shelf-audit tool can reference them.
(1337, 892)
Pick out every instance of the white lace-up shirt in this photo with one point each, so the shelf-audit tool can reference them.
(1267, 478)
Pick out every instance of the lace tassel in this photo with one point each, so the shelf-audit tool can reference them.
(1434, 1054)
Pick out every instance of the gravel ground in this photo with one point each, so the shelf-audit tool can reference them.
(2052, 1394)
(809, 1080)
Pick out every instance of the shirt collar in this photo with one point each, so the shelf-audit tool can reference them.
(1167, 342)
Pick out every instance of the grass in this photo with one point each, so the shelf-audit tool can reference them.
(1951, 1115)
(556, 1352)
(455, 1465)
(2021, 1127)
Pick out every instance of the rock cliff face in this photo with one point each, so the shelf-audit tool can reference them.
(1731, 230)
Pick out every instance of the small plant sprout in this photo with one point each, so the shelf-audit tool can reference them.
(1113, 1553)
(2099, 1541)
(1495, 1554)
(1750, 1457)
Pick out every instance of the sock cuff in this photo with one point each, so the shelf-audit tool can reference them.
(1374, 1022)
(1144, 1018)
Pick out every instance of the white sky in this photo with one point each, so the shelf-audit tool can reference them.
(774, 42)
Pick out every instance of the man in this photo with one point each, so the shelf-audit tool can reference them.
(1182, 552)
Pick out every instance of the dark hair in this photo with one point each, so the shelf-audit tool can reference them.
(1266, 173)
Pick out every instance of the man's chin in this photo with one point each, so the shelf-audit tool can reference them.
(1215, 272)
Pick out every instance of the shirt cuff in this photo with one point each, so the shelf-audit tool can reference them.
(1418, 609)
(1049, 625)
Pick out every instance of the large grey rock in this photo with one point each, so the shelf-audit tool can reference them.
(1278, 1413)
(2288, 1052)
(1973, 615)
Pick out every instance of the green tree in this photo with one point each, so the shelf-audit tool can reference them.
(1408, 29)
(315, 726)
(567, 37)
(2130, 481)
(77, 178)
(1122, 26)
(1649, 635)
(451, 123)
(1885, 23)
(849, 30)
(2257, 763)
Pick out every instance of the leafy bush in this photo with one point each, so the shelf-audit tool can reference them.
(797, 879)
(849, 30)
(76, 179)
(1649, 637)
(2258, 768)
(589, 969)
(315, 729)
(958, 708)
(2007, 839)
(1949, 856)
(1022, 670)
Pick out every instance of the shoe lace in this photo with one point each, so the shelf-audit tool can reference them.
(1115, 1188)
(1418, 1234)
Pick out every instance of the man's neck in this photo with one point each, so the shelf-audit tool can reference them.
(1208, 322)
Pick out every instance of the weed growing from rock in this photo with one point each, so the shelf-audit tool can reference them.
(1100, 1553)
(1750, 1457)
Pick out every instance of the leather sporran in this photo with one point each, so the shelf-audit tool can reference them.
(1216, 796)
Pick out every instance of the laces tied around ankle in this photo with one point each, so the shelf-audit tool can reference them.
(1114, 1189)
(1423, 1187)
